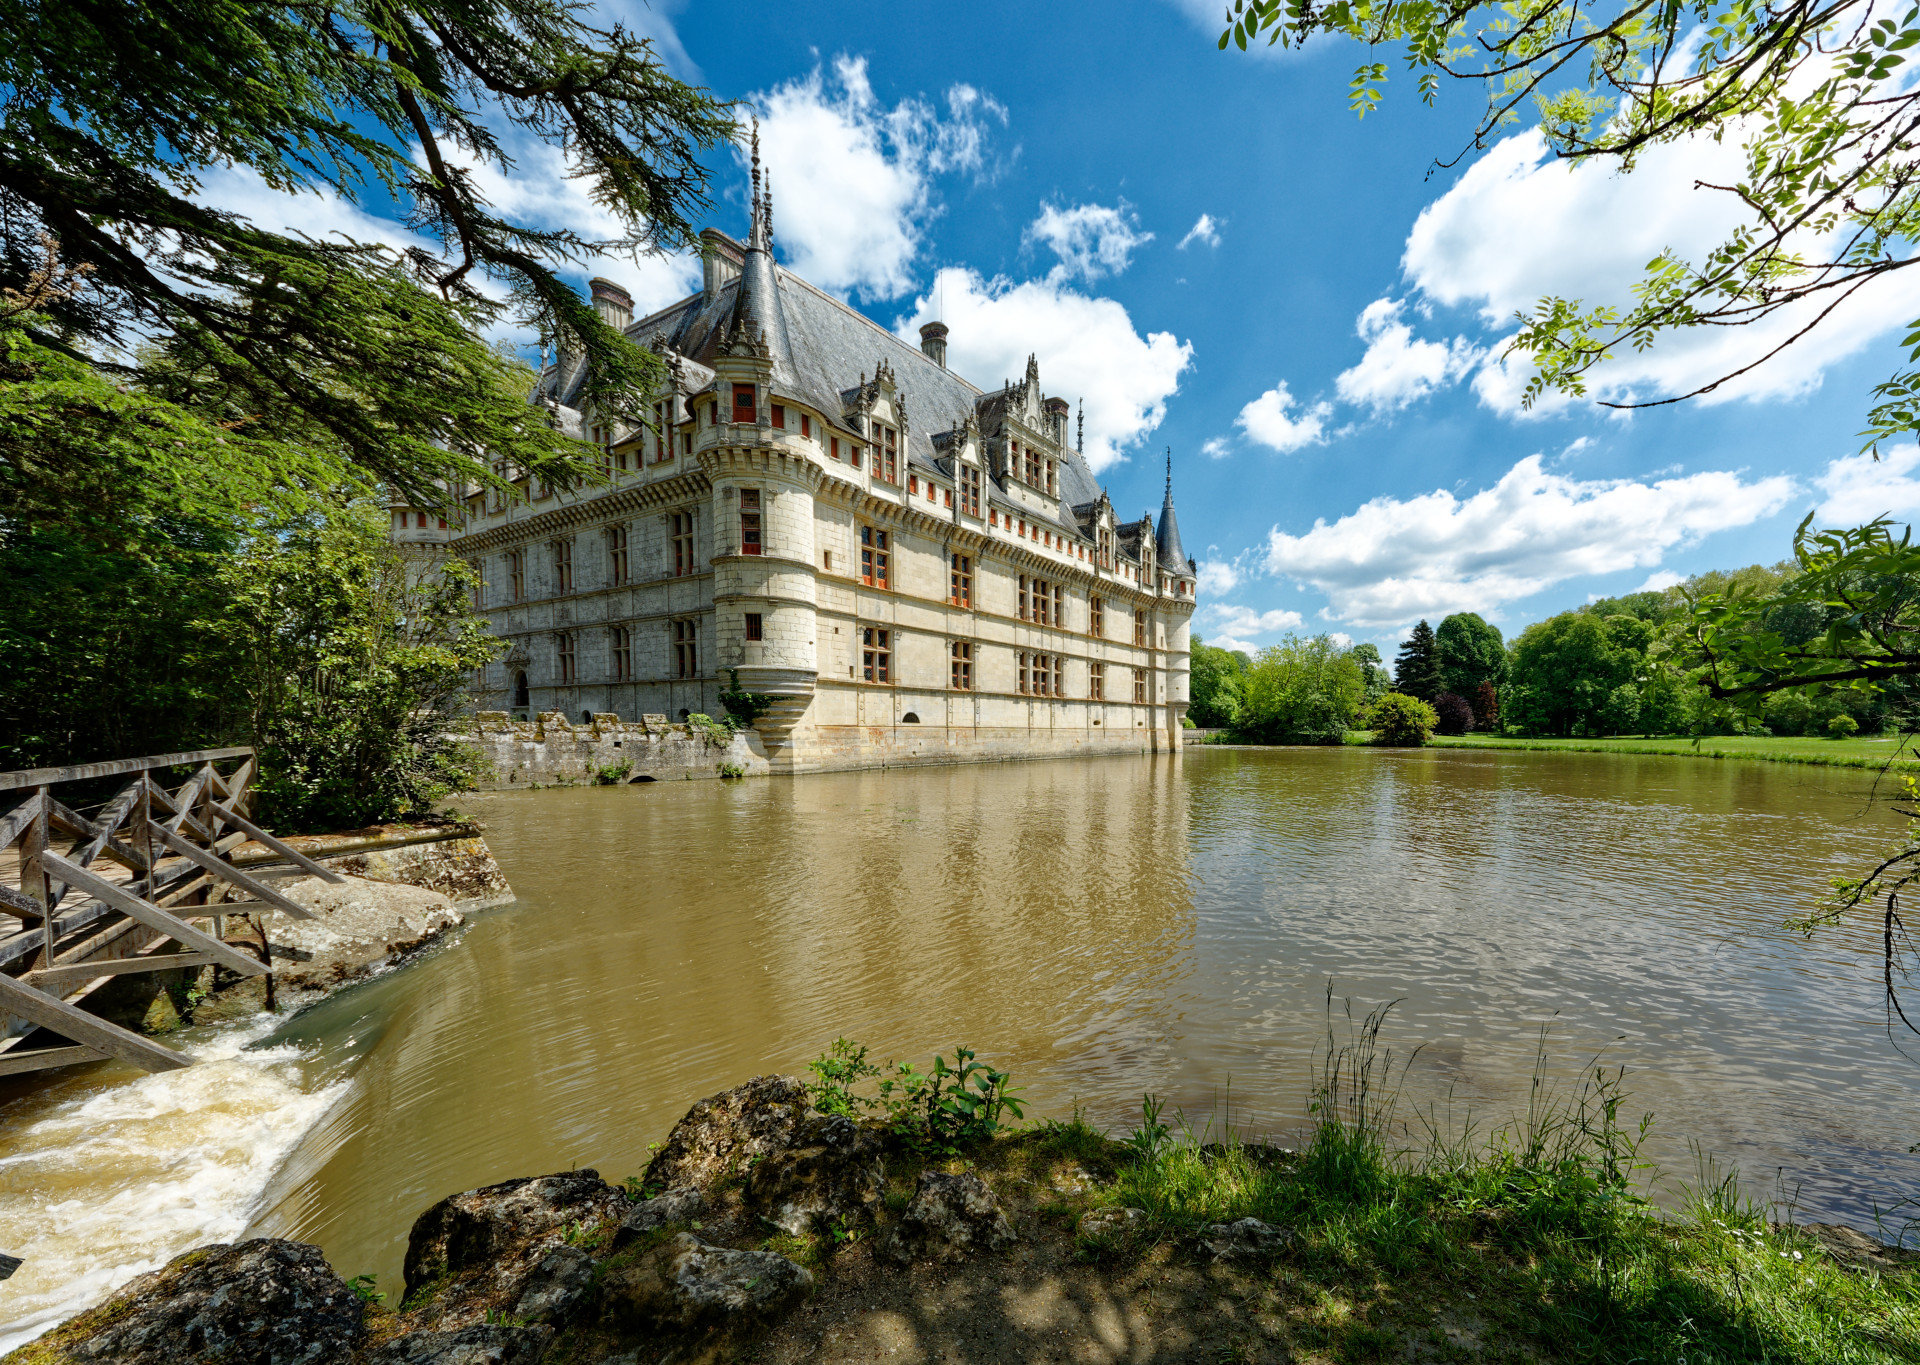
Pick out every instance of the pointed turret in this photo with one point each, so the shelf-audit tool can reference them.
(1166, 538)
(756, 302)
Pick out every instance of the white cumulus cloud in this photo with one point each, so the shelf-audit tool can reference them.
(1519, 225)
(1244, 621)
(1659, 581)
(1399, 368)
(1216, 448)
(1859, 488)
(1088, 350)
(1277, 419)
(1090, 240)
(1218, 577)
(1205, 230)
(853, 179)
(1394, 559)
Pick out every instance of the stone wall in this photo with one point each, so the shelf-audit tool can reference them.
(550, 751)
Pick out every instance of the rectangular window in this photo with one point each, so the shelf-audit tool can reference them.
(1139, 684)
(1096, 616)
(564, 643)
(876, 654)
(833, 444)
(749, 521)
(1021, 682)
(887, 458)
(617, 555)
(662, 435)
(913, 488)
(563, 566)
(961, 674)
(962, 582)
(713, 414)
(970, 490)
(686, 443)
(946, 495)
(1024, 609)
(621, 646)
(1097, 682)
(875, 558)
(479, 594)
(752, 620)
(743, 402)
(780, 416)
(517, 574)
(853, 453)
(686, 650)
(1139, 625)
(806, 426)
(620, 459)
(681, 527)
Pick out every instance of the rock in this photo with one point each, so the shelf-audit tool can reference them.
(504, 1247)
(1104, 1223)
(711, 1296)
(358, 925)
(260, 1302)
(482, 1344)
(1851, 1247)
(1249, 1239)
(830, 1174)
(723, 1133)
(663, 1210)
(950, 1216)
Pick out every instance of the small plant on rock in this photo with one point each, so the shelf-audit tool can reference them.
(614, 773)
(364, 1290)
(718, 733)
(948, 1106)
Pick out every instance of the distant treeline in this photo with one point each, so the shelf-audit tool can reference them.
(1617, 666)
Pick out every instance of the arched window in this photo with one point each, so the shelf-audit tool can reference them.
(911, 718)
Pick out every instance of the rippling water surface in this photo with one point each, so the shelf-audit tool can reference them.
(1106, 927)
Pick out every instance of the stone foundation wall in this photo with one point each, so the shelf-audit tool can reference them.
(829, 748)
(551, 751)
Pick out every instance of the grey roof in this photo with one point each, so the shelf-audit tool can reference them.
(1166, 540)
(821, 350)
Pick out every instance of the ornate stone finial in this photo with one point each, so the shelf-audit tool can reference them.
(756, 238)
(1080, 438)
(766, 209)
(1169, 473)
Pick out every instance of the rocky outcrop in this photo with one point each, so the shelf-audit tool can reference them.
(1249, 1239)
(949, 1217)
(357, 926)
(509, 1250)
(486, 1344)
(661, 1211)
(712, 1297)
(830, 1173)
(722, 1135)
(263, 1302)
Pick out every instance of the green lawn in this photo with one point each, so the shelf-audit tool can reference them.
(1842, 753)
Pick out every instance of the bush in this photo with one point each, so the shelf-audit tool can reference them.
(1399, 719)
(1455, 716)
(938, 1111)
(1842, 726)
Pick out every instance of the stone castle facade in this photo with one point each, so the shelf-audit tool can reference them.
(913, 569)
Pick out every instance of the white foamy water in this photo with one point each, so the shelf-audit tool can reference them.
(113, 1174)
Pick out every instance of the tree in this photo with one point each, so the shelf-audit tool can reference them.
(1486, 706)
(1213, 686)
(1415, 672)
(1372, 670)
(1468, 652)
(114, 113)
(1818, 97)
(1399, 719)
(1563, 673)
(1302, 691)
(1453, 716)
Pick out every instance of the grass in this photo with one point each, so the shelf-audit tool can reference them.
(1537, 1236)
(1871, 752)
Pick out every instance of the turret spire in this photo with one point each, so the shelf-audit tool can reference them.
(1080, 436)
(1166, 537)
(756, 237)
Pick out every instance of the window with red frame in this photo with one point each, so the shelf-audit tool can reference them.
(876, 654)
(743, 406)
(875, 557)
(962, 582)
(749, 521)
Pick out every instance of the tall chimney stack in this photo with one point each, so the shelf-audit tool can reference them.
(611, 302)
(933, 342)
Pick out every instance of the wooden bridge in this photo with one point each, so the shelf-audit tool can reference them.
(145, 885)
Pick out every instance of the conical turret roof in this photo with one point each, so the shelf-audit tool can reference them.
(1166, 537)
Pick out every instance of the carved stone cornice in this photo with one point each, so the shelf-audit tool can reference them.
(631, 498)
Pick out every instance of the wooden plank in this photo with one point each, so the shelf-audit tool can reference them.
(16, 820)
(43, 777)
(42, 1059)
(13, 903)
(99, 836)
(118, 966)
(227, 872)
(292, 855)
(182, 803)
(9, 1264)
(86, 1029)
(153, 917)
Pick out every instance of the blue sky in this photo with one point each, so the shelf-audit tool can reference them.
(1214, 253)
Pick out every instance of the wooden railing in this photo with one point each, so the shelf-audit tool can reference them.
(143, 887)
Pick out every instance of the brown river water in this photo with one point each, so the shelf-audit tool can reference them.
(1104, 927)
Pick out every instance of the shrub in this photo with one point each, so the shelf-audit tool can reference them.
(1842, 726)
(940, 1110)
(1399, 719)
(613, 774)
(1455, 716)
(743, 708)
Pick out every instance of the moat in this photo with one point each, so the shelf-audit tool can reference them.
(1105, 927)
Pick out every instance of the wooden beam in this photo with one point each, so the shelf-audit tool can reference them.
(153, 917)
(42, 1059)
(13, 903)
(46, 777)
(292, 855)
(117, 966)
(86, 1029)
(15, 821)
(193, 853)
